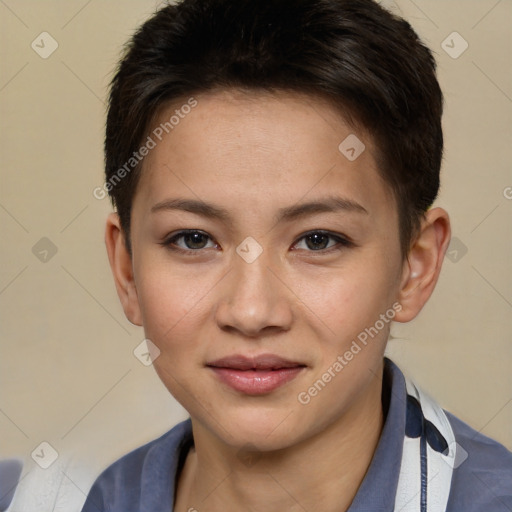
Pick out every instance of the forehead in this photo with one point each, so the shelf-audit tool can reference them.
(253, 149)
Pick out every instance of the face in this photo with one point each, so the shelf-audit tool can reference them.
(261, 253)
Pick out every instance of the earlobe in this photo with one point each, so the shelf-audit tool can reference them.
(122, 269)
(423, 265)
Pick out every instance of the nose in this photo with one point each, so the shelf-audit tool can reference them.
(255, 299)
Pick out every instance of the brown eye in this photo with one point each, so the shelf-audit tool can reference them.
(188, 241)
(318, 241)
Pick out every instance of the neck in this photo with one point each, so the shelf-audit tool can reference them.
(322, 473)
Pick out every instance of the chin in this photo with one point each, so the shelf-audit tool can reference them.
(265, 429)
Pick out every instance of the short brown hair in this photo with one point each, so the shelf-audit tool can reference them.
(355, 53)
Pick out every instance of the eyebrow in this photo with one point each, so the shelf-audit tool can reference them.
(286, 214)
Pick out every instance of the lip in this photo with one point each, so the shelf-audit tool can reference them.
(256, 375)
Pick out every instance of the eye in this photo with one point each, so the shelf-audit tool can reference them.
(318, 241)
(192, 241)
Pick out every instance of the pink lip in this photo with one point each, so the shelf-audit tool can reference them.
(255, 376)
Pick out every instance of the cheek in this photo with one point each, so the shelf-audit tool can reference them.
(171, 303)
(162, 309)
(346, 300)
(172, 309)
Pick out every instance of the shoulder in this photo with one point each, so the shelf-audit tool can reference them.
(147, 470)
(482, 475)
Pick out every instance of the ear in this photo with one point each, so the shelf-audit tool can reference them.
(122, 269)
(423, 265)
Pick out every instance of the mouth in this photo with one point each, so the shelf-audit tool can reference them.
(256, 375)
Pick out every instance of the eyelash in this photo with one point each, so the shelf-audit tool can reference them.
(342, 242)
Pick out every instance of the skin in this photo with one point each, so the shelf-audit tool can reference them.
(253, 154)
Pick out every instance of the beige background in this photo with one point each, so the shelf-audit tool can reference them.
(67, 371)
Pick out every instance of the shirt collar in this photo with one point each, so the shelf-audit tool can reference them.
(378, 490)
